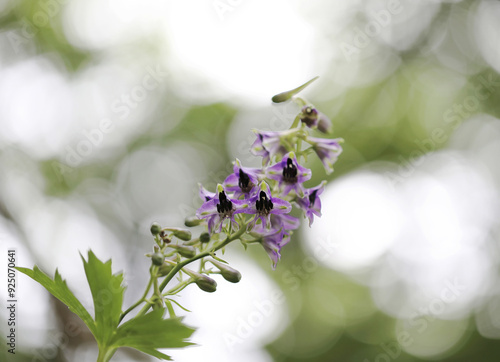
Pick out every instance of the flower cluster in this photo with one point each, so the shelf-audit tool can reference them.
(261, 199)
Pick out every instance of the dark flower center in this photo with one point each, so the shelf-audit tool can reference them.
(224, 205)
(263, 204)
(312, 198)
(309, 116)
(290, 172)
(244, 182)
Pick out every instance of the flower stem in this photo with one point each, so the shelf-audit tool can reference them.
(142, 299)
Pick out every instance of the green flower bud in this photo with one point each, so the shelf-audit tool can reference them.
(155, 228)
(184, 250)
(165, 268)
(183, 234)
(192, 221)
(157, 259)
(205, 283)
(228, 273)
(205, 237)
(283, 97)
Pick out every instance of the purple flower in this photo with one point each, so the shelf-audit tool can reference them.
(263, 205)
(244, 181)
(267, 145)
(327, 150)
(288, 172)
(315, 119)
(205, 195)
(285, 222)
(219, 208)
(278, 236)
(272, 244)
(311, 203)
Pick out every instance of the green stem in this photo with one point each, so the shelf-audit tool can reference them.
(142, 299)
(170, 309)
(105, 354)
(182, 264)
(178, 287)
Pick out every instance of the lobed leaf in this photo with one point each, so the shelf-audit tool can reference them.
(107, 292)
(58, 288)
(149, 332)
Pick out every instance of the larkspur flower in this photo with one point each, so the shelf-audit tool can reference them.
(268, 144)
(313, 118)
(327, 150)
(311, 202)
(243, 181)
(219, 208)
(278, 236)
(205, 195)
(272, 241)
(284, 221)
(263, 205)
(289, 173)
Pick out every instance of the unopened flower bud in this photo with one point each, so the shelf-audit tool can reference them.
(284, 96)
(183, 234)
(324, 124)
(205, 237)
(165, 268)
(192, 221)
(184, 250)
(309, 116)
(228, 273)
(157, 259)
(205, 283)
(155, 228)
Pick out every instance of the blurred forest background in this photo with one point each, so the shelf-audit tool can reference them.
(112, 111)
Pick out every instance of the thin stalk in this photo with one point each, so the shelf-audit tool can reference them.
(142, 299)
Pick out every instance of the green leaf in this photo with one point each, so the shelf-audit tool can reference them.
(282, 97)
(107, 293)
(149, 332)
(58, 288)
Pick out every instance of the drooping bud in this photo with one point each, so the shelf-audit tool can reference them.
(155, 228)
(182, 234)
(205, 237)
(192, 221)
(184, 250)
(157, 259)
(324, 124)
(205, 283)
(228, 273)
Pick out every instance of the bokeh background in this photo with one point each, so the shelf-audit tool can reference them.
(112, 111)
